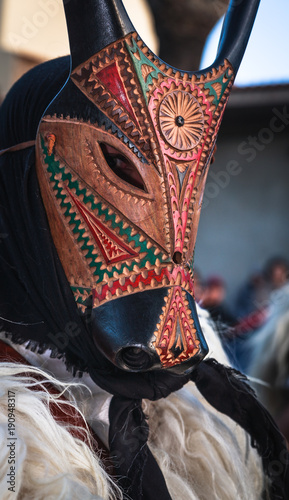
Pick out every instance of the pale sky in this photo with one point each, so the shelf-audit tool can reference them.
(266, 60)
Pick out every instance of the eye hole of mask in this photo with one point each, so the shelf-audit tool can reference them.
(122, 167)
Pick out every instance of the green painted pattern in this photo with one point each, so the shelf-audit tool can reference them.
(54, 168)
(139, 63)
(80, 293)
(209, 85)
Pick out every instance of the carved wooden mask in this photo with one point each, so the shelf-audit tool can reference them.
(123, 187)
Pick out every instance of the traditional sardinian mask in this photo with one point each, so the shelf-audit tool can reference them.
(122, 158)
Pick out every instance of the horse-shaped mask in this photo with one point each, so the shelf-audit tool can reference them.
(122, 157)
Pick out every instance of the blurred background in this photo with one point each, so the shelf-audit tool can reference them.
(244, 220)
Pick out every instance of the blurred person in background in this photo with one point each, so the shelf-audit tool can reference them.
(213, 299)
(268, 350)
(254, 297)
(252, 293)
(276, 272)
(254, 307)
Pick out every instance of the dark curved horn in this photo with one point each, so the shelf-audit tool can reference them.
(94, 24)
(103, 22)
(236, 31)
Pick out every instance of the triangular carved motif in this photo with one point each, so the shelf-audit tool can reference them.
(110, 77)
(110, 245)
(176, 338)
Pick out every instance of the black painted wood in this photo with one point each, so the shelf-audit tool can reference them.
(236, 31)
(94, 24)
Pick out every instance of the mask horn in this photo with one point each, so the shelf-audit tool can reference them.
(94, 24)
(236, 31)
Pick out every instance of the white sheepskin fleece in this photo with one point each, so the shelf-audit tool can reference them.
(208, 326)
(202, 453)
(50, 463)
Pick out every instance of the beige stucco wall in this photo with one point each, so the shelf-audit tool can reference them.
(32, 31)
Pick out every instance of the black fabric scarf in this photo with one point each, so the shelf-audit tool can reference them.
(36, 304)
(228, 391)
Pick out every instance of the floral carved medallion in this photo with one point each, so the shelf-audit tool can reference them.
(181, 120)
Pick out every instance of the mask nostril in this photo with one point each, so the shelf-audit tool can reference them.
(177, 257)
(136, 359)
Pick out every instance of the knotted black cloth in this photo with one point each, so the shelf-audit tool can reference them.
(228, 391)
(37, 305)
(225, 389)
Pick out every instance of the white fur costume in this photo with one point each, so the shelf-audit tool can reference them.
(202, 453)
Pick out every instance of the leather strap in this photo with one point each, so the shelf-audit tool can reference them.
(18, 147)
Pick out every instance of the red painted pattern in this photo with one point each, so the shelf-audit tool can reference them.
(177, 312)
(177, 274)
(180, 224)
(110, 77)
(112, 248)
(180, 212)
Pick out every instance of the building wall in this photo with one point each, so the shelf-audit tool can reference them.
(245, 216)
(32, 31)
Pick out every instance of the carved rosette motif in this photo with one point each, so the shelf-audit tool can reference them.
(181, 113)
(181, 120)
(114, 238)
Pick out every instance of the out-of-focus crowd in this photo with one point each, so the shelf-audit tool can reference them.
(255, 330)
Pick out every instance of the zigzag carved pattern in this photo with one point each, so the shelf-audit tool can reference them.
(153, 278)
